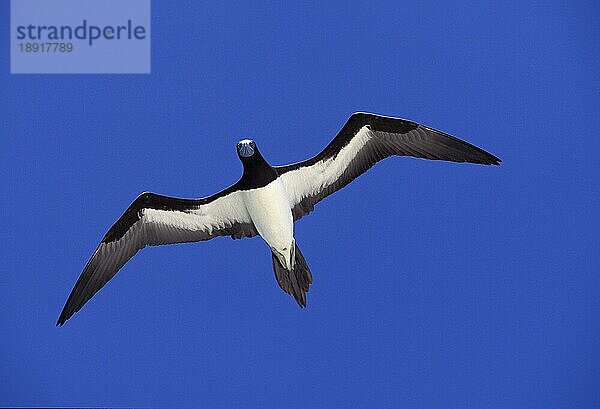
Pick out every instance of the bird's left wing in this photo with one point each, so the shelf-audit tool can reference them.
(364, 140)
(152, 220)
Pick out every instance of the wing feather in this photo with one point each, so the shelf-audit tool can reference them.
(364, 140)
(153, 220)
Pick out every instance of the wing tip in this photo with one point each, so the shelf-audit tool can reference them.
(61, 321)
(492, 160)
(485, 161)
(71, 308)
(64, 316)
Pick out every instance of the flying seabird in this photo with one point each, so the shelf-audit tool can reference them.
(266, 201)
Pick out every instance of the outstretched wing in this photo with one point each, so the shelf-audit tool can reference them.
(152, 220)
(364, 140)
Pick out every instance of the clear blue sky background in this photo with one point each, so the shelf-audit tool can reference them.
(437, 285)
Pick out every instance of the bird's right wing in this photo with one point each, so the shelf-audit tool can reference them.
(364, 140)
(153, 220)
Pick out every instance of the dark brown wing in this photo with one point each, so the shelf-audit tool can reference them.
(152, 220)
(364, 140)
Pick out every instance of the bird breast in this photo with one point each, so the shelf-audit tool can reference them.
(270, 210)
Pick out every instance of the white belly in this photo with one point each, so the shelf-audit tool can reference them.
(270, 210)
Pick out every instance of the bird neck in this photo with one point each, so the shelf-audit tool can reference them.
(257, 172)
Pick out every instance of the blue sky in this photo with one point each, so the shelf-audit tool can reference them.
(436, 284)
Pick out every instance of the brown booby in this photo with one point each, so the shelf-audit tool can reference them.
(266, 201)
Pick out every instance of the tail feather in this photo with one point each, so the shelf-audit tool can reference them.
(296, 281)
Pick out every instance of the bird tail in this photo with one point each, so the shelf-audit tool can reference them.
(295, 281)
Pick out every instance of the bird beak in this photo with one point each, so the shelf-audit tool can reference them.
(246, 150)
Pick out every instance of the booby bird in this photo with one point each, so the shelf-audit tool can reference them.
(266, 201)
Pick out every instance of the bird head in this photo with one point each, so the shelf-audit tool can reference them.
(246, 148)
